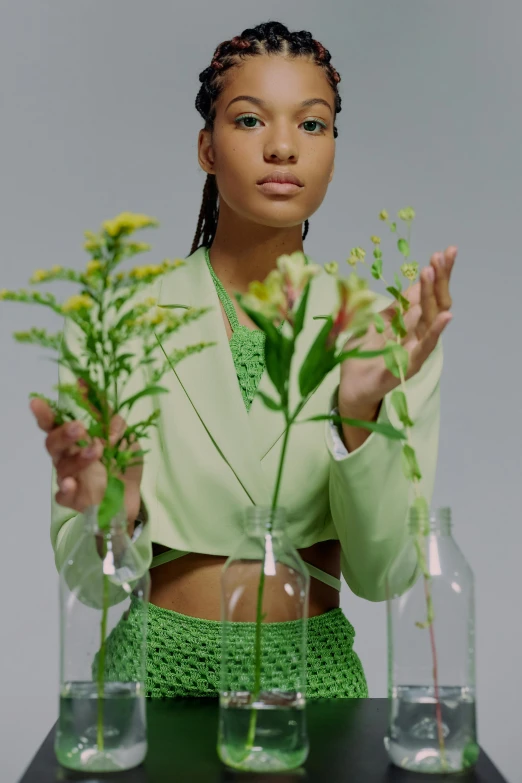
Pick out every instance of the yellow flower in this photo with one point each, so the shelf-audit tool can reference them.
(127, 222)
(407, 214)
(355, 300)
(140, 272)
(56, 269)
(120, 276)
(3, 293)
(352, 260)
(39, 276)
(93, 267)
(383, 215)
(375, 240)
(358, 252)
(150, 301)
(331, 268)
(77, 302)
(267, 298)
(410, 270)
(296, 274)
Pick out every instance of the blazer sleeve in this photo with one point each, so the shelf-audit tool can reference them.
(66, 524)
(370, 495)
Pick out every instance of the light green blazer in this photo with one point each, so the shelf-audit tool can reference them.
(209, 458)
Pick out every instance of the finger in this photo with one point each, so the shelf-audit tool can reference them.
(69, 467)
(43, 414)
(429, 304)
(66, 492)
(426, 346)
(118, 426)
(441, 286)
(64, 438)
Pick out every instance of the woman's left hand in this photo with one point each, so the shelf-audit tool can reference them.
(364, 382)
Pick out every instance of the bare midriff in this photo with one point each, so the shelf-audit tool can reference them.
(191, 584)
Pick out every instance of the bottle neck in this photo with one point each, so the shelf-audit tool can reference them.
(433, 521)
(260, 521)
(117, 526)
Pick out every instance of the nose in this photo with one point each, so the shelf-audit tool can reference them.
(281, 144)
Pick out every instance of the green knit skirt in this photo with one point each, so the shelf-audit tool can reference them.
(184, 654)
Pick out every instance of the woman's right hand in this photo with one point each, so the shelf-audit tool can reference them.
(81, 476)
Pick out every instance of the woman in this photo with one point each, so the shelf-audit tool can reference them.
(269, 100)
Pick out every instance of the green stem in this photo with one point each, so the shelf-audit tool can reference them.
(260, 592)
(429, 608)
(101, 656)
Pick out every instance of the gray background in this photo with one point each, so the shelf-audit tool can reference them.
(97, 116)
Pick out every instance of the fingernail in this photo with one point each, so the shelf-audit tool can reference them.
(430, 274)
(73, 429)
(89, 452)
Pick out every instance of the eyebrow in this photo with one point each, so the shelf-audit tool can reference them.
(259, 102)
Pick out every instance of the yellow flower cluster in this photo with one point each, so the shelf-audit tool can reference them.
(375, 240)
(94, 241)
(331, 268)
(356, 254)
(45, 274)
(127, 222)
(411, 270)
(77, 302)
(3, 293)
(93, 267)
(152, 270)
(407, 214)
(383, 215)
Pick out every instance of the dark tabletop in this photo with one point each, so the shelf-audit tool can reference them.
(345, 746)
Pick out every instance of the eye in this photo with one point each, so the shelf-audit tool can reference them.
(322, 126)
(245, 117)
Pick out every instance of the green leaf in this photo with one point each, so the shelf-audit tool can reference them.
(388, 430)
(377, 268)
(378, 320)
(112, 502)
(357, 354)
(398, 282)
(396, 357)
(301, 311)
(410, 465)
(400, 403)
(403, 247)
(393, 227)
(377, 253)
(318, 362)
(147, 391)
(398, 325)
(173, 306)
(269, 402)
(400, 298)
(260, 320)
(277, 359)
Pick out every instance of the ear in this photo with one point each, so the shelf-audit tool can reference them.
(206, 151)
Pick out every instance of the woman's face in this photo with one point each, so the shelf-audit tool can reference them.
(262, 126)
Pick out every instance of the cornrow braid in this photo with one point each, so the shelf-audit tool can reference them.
(267, 38)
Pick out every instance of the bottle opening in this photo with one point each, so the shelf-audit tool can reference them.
(437, 520)
(263, 518)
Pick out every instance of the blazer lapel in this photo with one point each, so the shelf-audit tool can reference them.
(209, 377)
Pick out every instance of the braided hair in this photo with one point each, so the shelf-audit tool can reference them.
(267, 38)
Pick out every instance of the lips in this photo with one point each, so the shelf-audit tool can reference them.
(281, 178)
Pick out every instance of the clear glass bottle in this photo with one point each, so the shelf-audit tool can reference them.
(431, 651)
(101, 725)
(264, 600)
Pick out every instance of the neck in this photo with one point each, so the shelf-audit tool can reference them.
(243, 251)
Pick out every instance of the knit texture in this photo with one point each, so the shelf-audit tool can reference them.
(184, 655)
(247, 345)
